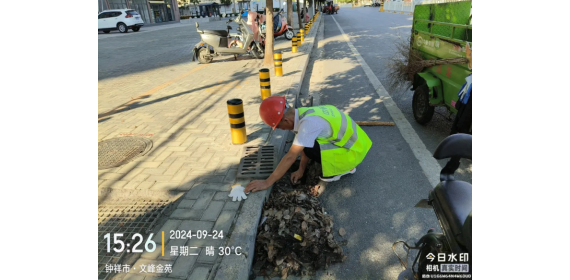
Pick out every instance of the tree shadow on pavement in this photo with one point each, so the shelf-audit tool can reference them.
(130, 105)
(375, 206)
(225, 95)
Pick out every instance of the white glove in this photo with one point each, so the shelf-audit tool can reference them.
(237, 193)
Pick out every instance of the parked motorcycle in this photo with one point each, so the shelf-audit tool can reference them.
(280, 27)
(450, 251)
(221, 42)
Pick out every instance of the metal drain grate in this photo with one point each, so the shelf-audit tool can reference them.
(127, 217)
(118, 151)
(257, 162)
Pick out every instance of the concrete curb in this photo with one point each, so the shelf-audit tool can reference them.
(244, 231)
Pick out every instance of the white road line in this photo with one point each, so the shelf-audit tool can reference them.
(142, 31)
(430, 166)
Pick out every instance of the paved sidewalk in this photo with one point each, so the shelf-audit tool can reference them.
(192, 156)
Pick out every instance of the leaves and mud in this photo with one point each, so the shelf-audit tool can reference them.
(296, 237)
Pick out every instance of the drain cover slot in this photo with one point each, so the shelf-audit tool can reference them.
(118, 151)
(257, 162)
(128, 217)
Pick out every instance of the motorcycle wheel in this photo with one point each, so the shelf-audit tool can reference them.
(204, 56)
(423, 112)
(289, 34)
(257, 53)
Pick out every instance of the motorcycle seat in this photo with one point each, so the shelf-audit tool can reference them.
(454, 200)
(223, 33)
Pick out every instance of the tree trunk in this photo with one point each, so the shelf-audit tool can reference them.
(268, 60)
(290, 13)
(299, 15)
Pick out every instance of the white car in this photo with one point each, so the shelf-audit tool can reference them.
(122, 20)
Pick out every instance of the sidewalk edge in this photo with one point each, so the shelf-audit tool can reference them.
(247, 219)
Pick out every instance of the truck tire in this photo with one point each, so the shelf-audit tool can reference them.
(423, 112)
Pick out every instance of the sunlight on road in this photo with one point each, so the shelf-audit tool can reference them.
(379, 253)
(403, 26)
(355, 103)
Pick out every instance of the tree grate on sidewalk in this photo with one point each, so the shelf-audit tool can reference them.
(257, 162)
(129, 218)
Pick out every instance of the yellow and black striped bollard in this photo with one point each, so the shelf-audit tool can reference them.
(264, 83)
(294, 46)
(299, 43)
(278, 60)
(237, 121)
(302, 35)
(307, 29)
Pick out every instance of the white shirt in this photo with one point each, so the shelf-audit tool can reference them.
(309, 128)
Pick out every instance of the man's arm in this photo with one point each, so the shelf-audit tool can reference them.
(304, 161)
(281, 169)
(285, 164)
(297, 175)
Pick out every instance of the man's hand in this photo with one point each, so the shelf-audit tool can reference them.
(257, 185)
(296, 176)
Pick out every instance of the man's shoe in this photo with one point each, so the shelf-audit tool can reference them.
(337, 177)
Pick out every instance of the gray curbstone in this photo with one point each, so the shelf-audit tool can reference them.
(245, 229)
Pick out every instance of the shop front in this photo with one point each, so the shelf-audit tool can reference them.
(152, 11)
(210, 9)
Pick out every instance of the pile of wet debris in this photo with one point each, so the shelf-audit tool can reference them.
(295, 235)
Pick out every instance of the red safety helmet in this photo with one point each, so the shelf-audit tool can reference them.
(272, 110)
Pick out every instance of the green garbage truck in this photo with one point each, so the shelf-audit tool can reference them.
(442, 36)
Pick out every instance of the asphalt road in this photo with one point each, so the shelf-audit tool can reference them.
(376, 205)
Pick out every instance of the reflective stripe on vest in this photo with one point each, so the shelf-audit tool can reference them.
(348, 144)
(341, 132)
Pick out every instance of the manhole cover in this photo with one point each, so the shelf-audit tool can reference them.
(257, 162)
(129, 218)
(118, 151)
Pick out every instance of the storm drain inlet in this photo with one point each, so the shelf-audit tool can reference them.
(129, 218)
(257, 162)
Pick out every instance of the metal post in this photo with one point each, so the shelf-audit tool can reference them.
(237, 121)
(278, 60)
(264, 83)
(294, 47)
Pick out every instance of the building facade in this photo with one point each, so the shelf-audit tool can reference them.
(151, 11)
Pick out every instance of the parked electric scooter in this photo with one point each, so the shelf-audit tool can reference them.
(282, 28)
(447, 253)
(219, 42)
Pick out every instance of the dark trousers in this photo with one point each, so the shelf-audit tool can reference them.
(314, 153)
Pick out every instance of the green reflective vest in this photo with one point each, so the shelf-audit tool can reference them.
(347, 146)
